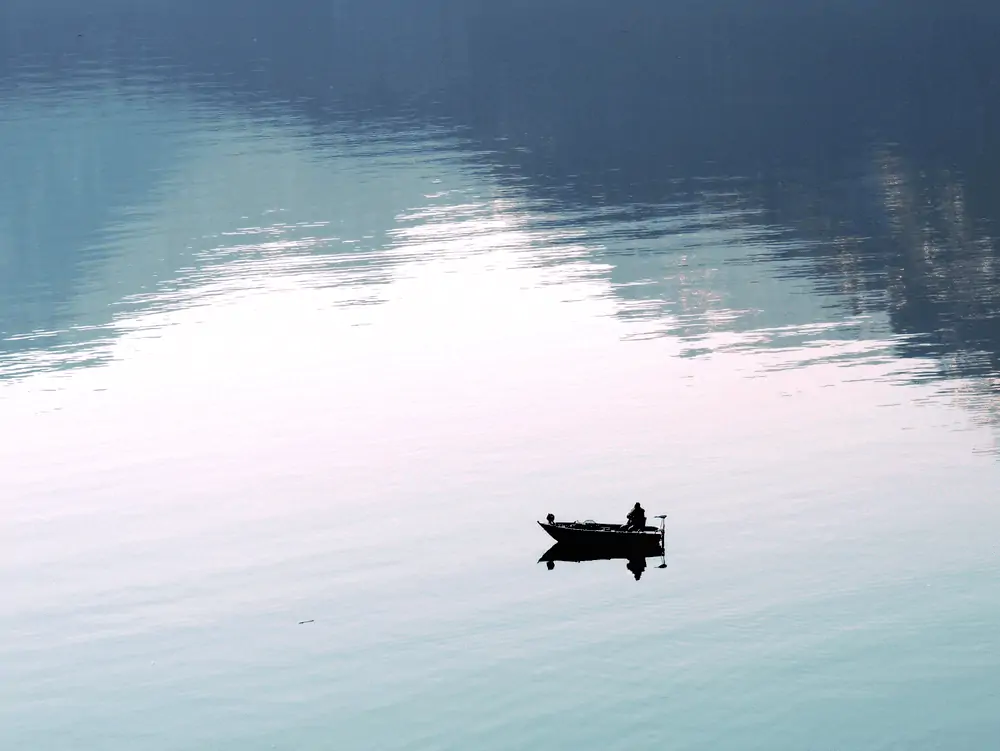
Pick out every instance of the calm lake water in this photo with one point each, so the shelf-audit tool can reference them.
(309, 310)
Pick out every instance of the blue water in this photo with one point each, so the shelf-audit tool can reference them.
(309, 310)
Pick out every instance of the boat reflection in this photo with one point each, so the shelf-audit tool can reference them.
(634, 555)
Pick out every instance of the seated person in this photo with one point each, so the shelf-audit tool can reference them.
(636, 518)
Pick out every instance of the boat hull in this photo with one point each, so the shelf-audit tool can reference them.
(600, 535)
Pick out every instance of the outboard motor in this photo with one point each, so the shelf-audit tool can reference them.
(551, 519)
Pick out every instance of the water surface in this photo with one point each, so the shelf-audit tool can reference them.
(308, 314)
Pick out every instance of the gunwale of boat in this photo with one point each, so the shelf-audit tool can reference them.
(599, 529)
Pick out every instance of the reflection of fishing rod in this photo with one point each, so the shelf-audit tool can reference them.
(663, 539)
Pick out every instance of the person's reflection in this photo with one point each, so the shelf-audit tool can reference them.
(636, 566)
(550, 565)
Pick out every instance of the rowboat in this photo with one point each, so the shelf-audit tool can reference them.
(597, 534)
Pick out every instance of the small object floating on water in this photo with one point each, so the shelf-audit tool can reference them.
(311, 620)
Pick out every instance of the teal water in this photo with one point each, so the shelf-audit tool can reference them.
(286, 380)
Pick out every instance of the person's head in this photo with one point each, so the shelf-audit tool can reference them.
(637, 506)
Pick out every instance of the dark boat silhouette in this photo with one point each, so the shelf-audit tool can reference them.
(591, 533)
(588, 540)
